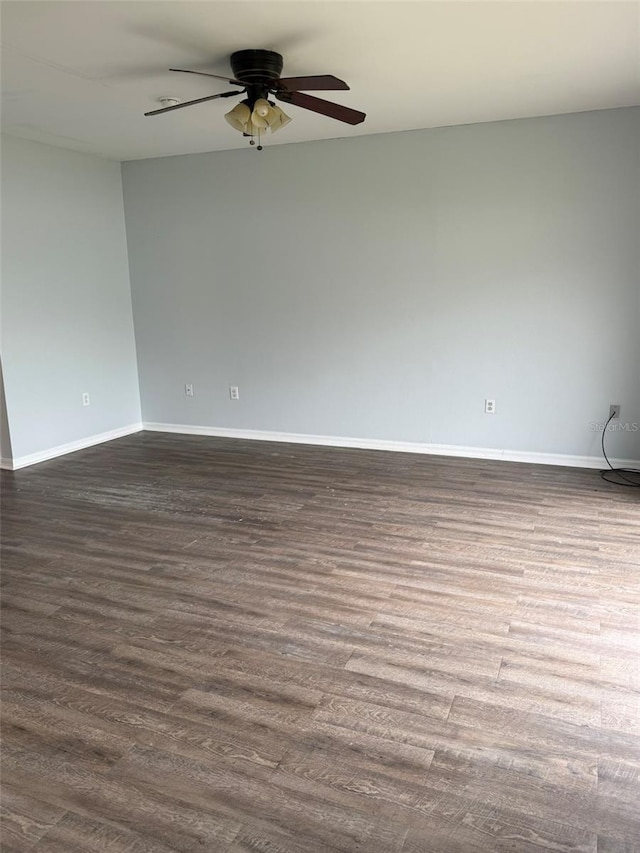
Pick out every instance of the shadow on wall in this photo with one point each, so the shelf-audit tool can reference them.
(5, 436)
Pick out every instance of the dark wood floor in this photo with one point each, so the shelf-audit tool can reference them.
(213, 645)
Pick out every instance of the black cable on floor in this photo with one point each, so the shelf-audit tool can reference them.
(625, 476)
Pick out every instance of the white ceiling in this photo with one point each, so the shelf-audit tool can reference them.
(80, 74)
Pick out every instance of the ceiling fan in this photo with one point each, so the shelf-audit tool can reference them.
(257, 72)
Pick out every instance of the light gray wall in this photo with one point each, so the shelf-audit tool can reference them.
(67, 324)
(382, 287)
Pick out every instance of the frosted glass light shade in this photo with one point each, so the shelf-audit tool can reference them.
(261, 107)
(239, 117)
(259, 121)
(277, 119)
(263, 117)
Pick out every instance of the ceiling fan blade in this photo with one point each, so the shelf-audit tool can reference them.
(309, 84)
(191, 103)
(206, 74)
(325, 108)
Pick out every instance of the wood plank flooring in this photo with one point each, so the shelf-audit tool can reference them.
(216, 645)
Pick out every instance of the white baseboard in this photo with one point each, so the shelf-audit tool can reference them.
(397, 446)
(537, 458)
(71, 447)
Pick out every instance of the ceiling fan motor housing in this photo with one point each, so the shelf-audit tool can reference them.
(256, 67)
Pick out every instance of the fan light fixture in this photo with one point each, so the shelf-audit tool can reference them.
(257, 73)
(264, 116)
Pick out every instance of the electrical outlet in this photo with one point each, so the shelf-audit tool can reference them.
(489, 407)
(614, 410)
(188, 390)
(234, 392)
(86, 399)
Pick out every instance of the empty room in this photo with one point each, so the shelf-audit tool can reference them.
(320, 426)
